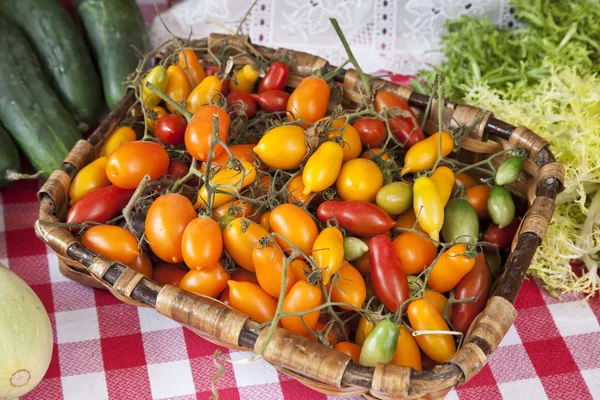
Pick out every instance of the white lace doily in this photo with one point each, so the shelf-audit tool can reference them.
(397, 36)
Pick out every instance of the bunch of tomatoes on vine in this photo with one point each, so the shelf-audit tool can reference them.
(347, 225)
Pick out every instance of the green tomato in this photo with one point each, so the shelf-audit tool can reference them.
(354, 248)
(395, 198)
(380, 345)
(501, 206)
(415, 284)
(494, 263)
(460, 222)
(509, 170)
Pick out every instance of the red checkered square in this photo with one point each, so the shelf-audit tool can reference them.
(21, 215)
(105, 298)
(484, 378)
(54, 367)
(129, 384)
(224, 394)
(48, 388)
(72, 296)
(594, 304)
(123, 352)
(584, 349)
(32, 269)
(535, 323)
(489, 392)
(292, 389)
(170, 340)
(203, 369)
(118, 320)
(44, 292)
(24, 191)
(550, 357)
(529, 296)
(23, 243)
(80, 358)
(557, 385)
(198, 347)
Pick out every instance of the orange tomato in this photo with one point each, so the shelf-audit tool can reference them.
(188, 61)
(269, 262)
(407, 351)
(465, 180)
(450, 268)
(300, 269)
(328, 252)
(166, 220)
(424, 316)
(407, 220)
(349, 287)
(207, 282)
(302, 297)
(294, 224)
(364, 328)
(234, 208)
(351, 139)
(130, 162)
(264, 221)
(241, 152)
(376, 151)
(239, 238)
(113, 242)
(321, 328)
(359, 179)
(478, 197)
(350, 349)
(363, 264)
(201, 243)
(252, 300)
(199, 132)
(242, 275)
(168, 274)
(239, 179)
(414, 252)
(143, 265)
(178, 86)
(438, 300)
(295, 188)
(308, 102)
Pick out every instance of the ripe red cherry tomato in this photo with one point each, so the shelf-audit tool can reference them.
(275, 77)
(358, 217)
(100, 205)
(501, 237)
(170, 129)
(388, 277)
(272, 100)
(371, 130)
(405, 128)
(240, 100)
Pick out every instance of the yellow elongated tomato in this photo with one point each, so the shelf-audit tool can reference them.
(364, 328)
(322, 168)
(123, 134)
(328, 252)
(428, 206)
(424, 316)
(283, 147)
(127, 165)
(188, 61)
(443, 178)
(240, 237)
(450, 268)
(227, 176)
(407, 351)
(302, 297)
(178, 85)
(204, 93)
(308, 102)
(351, 139)
(201, 243)
(91, 177)
(157, 113)
(250, 299)
(199, 132)
(166, 220)
(269, 261)
(243, 79)
(208, 282)
(438, 300)
(300, 269)
(295, 188)
(113, 242)
(158, 77)
(234, 208)
(424, 154)
(295, 225)
(349, 287)
(359, 179)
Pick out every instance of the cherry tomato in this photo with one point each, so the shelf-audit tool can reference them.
(122, 134)
(439, 301)
(365, 326)
(350, 349)
(414, 252)
(240, 152)
(198, 134)
(242, 101)
(207, 282)
(450, 268)
(166, 220)
(224, 296)
(424, 316)
(363, 264)
(351, 144)
(389, 100)
(372, 131)
(283, 147)
(170, 129)
(328, 252)
(239, 238)
(404, 127)
(188, 61)
(178, 169)
(359, 218)
(443, 177)
(501, 206)
(201, 243)
(250, 299)
(127, 165)
(275, 77)
(235, 181)
(354, 248)
(243, 79)
(300, 269)
(100, 205)
(348, 286)
(269, 262)
(478, 197)
(359, 179)
(168, 274)
(91, 177)
(322, 168)
(428, 207)
(272, 100)
(465, 180)
(388, 277)
(295, 188)
(407, 220)
(295, 225)
(309, 100)
(461, 224)
(157, 77)
(395, 197)
(501, 237)
(476, 283)
(234, 208)
(380, 345)
(375, 154)
(264, 221)
(113, 242)
(302, 297)
(154, 115)
(407, 351)
(206, 92)
(143, 265)
(178, 86)
(424, 155)
(242, 275)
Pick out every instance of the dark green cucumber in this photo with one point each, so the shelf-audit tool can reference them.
(9, 156)
(63, 53)
(29, 108)
(118, 37)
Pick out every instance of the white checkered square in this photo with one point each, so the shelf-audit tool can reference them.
(592, 379)
(527, 389)
(172, 379)
(511, 337)
(77, 325)
(55, 275)
(151, 321)
(574, 318)
(88, 386)
(251, 373)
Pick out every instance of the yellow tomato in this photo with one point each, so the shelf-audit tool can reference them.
(243, 79)
(351, 139)
(178, 85)
(359, 179)
(283, 147)
(407, 351)
(424, 154)
(91, 177)
(123, 134)
(364, 328)
(227, 176)
(443, 177)
(157, 77)
(328, 252)
(322, 168)
(204, 93)
(428, 207)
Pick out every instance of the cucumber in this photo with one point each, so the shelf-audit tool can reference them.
(62, 52)
(29, 108)
(117, 34)
(9, 156)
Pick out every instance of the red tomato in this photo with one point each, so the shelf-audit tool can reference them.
(295, 225)
(501, 237)
(202, 243)
(168, 274)
(198, 134)
(309, 100)
(170, 129)
(465, 180)
(476, 283)
(414, 252)
(100, 205)
(302, 297)
(238, 101)
(405, 128)
(275, 77)
(371, 130)
(113, 242)
(388, 277)
(177, 169)
(450, 268)
(130, 162)
(358, 217)
(252, 300)
(272, 100)
(208, 282)
(389, 100)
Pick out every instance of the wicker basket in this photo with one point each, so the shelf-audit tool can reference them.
(312, 363)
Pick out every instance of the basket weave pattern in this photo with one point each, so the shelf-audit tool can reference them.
(319, 367)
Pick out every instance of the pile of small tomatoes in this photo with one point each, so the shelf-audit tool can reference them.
(336, 224)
